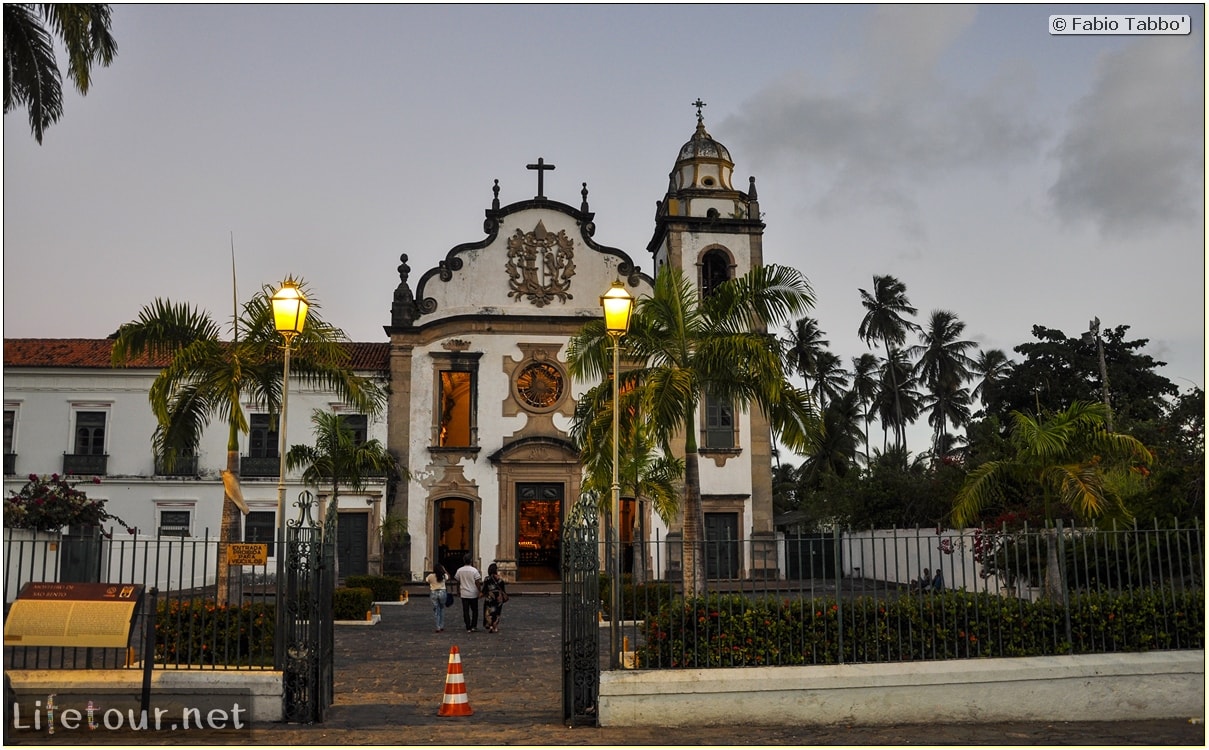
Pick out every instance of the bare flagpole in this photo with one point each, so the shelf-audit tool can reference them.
(234, 292)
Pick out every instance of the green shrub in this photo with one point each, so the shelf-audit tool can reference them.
(637, 602)
(385, 588)
(735, 630)
(196, 632)
(352, 603)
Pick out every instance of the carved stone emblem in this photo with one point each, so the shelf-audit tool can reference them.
(540, 266)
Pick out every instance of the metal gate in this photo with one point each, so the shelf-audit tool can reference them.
(305, 643)
(581, 613)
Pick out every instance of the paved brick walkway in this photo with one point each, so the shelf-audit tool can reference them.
(390, 681)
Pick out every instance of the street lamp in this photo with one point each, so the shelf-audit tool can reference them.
(289, 315)
(618, 305)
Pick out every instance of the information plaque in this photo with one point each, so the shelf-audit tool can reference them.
(73, 615)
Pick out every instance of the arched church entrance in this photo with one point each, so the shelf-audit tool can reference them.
(539, 481)
(538, 529)
(454, 533)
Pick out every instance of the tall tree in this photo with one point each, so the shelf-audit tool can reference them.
(830, 379)
(685, 345)
(885, 307)
(898, 401)
(835, 452)
(646, 473)
(943, 367)
(209, 377)
(1057, 370)
(803, 346)
(337, 458)
(1069, 460)
(991, 367)
(31, 72)
(866, 387)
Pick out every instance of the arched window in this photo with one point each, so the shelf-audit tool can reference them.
(715, 269)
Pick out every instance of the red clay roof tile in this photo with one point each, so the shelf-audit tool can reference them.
(94, 353)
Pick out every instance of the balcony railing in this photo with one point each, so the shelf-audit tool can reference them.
(10, 464)
(259, 466)
(184, 466)
(80, 463)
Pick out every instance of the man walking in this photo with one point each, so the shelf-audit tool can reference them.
(469, 582)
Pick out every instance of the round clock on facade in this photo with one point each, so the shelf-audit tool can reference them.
(540, 385)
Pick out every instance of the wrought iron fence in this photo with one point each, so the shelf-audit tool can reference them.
(901, 595)
(193, 629)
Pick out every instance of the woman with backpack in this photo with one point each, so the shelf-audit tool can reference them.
(495, 593)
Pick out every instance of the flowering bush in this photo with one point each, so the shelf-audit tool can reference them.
(50, 503)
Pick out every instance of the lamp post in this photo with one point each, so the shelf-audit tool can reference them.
(289, 315)
(618, 304)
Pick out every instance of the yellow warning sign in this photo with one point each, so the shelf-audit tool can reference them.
(247, 554)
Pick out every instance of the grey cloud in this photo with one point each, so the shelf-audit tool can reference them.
(1133, 156)
(864, 142)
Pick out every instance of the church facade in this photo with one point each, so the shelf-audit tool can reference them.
(481, 401)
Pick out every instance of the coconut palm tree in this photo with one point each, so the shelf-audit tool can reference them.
(885, 307)
(803, 345)
(991, 367)
(836, 450)
(945, 405)
(209, 378)
(830, 379)
(1070, 460)
(898, 400)
(865, 386)
(685, 345)
(31, 73)
(943, 367)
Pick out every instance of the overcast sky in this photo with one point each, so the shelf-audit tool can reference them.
(1013, 177)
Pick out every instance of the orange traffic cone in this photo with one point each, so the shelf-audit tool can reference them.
(455, 702)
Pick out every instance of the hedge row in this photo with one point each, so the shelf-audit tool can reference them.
(190, 632)
(732, 630)
(384, 588)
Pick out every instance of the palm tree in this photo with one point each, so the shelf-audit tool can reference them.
(337, 458)
(644, 473)
(803, 346)
(884, 322)
(784, 488)
(685, 345)
(898, 401)
(1070, 459)
(31, 73)
(991, 367)
(944, 367)
(836, 450)
(866, 387)
(209, 377)
(830, 379)
(945, 405)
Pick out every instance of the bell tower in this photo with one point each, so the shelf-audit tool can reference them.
(713, 232)
(703, 225)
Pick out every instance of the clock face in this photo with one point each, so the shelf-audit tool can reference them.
(540, 385)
